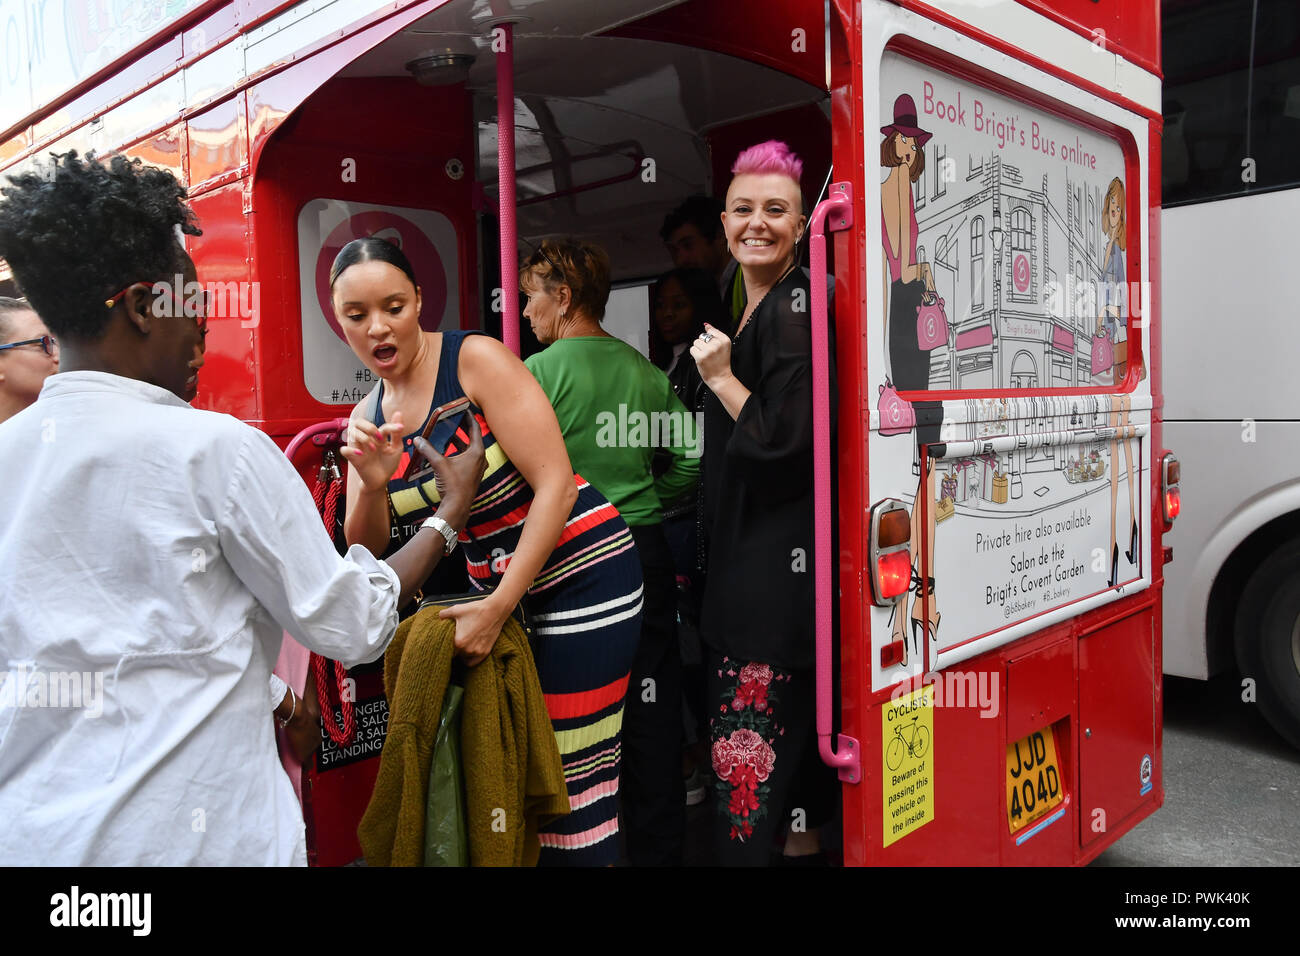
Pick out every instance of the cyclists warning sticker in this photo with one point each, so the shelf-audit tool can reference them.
(907, 749)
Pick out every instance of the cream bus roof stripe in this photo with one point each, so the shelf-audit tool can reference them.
(1034, 33)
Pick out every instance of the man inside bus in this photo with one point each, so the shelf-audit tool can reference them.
(152, 553)
(692, 234)
(28, 356)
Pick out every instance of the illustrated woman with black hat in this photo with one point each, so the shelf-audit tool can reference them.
(908, 284)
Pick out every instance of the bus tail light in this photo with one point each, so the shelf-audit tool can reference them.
(1170, 473)
(890, 551)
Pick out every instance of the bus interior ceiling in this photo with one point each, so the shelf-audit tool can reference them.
(613, 131)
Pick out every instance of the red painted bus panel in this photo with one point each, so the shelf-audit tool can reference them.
(1117, 723)
(1040, 689)
(847, 148)
(350, 119)
(787, 35)
(228, 380)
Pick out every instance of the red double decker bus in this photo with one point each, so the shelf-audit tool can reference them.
(989, 625)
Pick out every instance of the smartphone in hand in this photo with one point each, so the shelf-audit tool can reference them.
(418, 467)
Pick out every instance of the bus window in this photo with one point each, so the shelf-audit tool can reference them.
(1231, 98)
(625, 316)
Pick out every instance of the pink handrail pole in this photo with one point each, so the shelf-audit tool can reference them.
(332, 425)
(846, 758)
(506, 189)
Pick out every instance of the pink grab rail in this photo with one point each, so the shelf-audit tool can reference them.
(506, 189)
(332, 425)
(846, 755)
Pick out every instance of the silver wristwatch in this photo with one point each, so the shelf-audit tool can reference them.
(448, 533)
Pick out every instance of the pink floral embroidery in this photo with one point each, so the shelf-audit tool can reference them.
(743, 758)
(744, 750)
(750, 694)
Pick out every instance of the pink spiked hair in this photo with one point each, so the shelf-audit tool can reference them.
(772, 156)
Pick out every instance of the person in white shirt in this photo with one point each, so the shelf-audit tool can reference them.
(152, 553)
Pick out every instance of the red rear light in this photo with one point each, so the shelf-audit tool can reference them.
(1173, 502)
(894, 572)
(889, 551)
(1170, 472)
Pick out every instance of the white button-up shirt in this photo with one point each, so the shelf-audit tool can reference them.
(150, 554)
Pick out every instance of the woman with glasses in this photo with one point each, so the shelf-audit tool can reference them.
(28, 356)
(537, 533)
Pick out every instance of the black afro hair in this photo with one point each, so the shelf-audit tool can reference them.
(85, 230)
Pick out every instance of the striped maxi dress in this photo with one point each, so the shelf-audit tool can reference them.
(585, 605)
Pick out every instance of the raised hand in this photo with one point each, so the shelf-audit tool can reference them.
(712, 353)
(374, 451)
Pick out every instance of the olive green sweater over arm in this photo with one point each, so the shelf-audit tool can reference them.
(616, 409)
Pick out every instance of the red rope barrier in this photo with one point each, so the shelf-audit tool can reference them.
(327, 504)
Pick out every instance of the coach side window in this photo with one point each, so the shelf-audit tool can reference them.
(1231, 99)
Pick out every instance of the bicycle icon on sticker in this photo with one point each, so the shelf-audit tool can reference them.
(914, 742)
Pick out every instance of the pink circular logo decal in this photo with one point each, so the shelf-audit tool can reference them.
(430, 275)
(1020, 272)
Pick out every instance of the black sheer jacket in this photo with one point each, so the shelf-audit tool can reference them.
(758, 489)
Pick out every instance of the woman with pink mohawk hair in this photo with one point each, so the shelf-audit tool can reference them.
(757, 618)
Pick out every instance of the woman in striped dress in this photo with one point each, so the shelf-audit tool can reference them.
(536, 533)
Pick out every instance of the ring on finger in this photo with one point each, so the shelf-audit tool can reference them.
(708, 336)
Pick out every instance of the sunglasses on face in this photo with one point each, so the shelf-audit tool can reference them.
(49, 345)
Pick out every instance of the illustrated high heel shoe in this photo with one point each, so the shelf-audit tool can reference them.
(1114, 565)
(1132, 552)
(920, 624)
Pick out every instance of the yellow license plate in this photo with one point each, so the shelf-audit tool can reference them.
(1034, 786)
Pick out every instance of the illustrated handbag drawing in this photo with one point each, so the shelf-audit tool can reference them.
(1121, 360)
(897, 417)
(1103, 354)
(931, 325)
